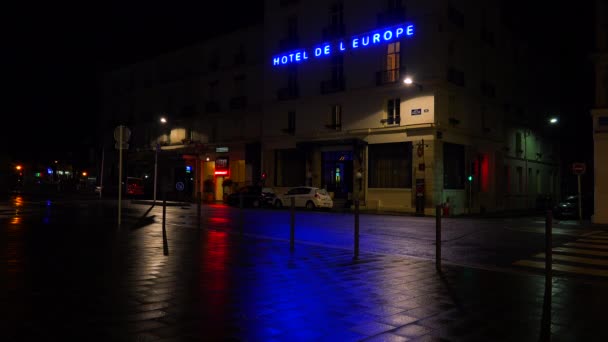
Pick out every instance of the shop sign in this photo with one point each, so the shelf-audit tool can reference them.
(355, 42)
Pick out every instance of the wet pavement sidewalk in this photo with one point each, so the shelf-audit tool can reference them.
(214, 285)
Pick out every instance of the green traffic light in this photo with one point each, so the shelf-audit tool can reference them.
(470, 178)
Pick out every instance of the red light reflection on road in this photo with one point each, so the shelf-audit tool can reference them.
(218, 220)
(215, 272)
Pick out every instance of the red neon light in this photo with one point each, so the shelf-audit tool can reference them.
(221, 173)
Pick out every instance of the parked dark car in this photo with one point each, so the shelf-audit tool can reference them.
(568, 208)
(253, 196)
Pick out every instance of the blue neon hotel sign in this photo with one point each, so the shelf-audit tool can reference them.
(356, 42)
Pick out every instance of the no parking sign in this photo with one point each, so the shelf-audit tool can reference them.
(179, 186)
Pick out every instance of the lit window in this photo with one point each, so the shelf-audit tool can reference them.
(393, 111)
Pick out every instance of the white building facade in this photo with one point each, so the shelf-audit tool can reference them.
(337, 107)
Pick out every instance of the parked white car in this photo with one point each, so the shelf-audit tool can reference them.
(305, 196)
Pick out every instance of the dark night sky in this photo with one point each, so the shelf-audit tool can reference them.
(55, 53)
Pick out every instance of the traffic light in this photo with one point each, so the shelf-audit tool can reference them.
(470, 178)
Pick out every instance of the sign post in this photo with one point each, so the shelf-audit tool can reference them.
(579, 169)
(121, 135)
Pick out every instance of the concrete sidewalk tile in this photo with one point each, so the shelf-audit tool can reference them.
(412, 330)
(371, 328)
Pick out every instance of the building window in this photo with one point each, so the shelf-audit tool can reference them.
(455, 16)
(240, 57)
(520, 179)
(291, 122)
(394, 5)
(336, 14)
(335, 119)
(452, 111)
(213, 89)
(487, 36)
(291, 91)
(507, 175)
(484, 120)
(336, 81)
(488, 89)
(390, 165)
(393, 111)
(393, 61)
(453, 166)
(239, 84)
(456, 76)
(518, 143)
(292, 26)
(214, 62)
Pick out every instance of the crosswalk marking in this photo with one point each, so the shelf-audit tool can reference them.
(563, 268)
(561, 257)
(586, 245)
(598, 237)
(587, 255)
(579, 251)
(593, 241)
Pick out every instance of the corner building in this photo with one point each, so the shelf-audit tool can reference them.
(465, 129)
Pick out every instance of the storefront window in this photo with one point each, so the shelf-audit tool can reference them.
(453, 166)
(390, 165)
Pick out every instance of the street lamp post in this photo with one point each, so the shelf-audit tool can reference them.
(163, 121)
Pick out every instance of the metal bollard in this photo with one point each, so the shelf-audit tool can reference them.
(356, 257)
(548, 246)
(292, 234)
(165, 242)
(198, 209)
(438, 237)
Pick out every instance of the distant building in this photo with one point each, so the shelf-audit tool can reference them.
(600, 114)
(318, 95)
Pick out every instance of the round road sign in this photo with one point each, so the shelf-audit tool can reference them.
(179, 186)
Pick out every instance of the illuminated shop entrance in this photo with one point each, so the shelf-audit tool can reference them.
(338, 172)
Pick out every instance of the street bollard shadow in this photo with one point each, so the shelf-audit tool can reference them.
(144, 220)
(451, 292)
(545, 322)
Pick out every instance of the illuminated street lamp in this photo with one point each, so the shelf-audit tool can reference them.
(163, 120)
(18, 167)
(554, 120)
(409, 81)
(84, 174)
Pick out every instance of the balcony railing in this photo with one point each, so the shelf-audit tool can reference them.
(388, 76)
(288, 93)
(332, 86)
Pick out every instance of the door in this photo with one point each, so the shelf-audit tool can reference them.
(338, 173)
